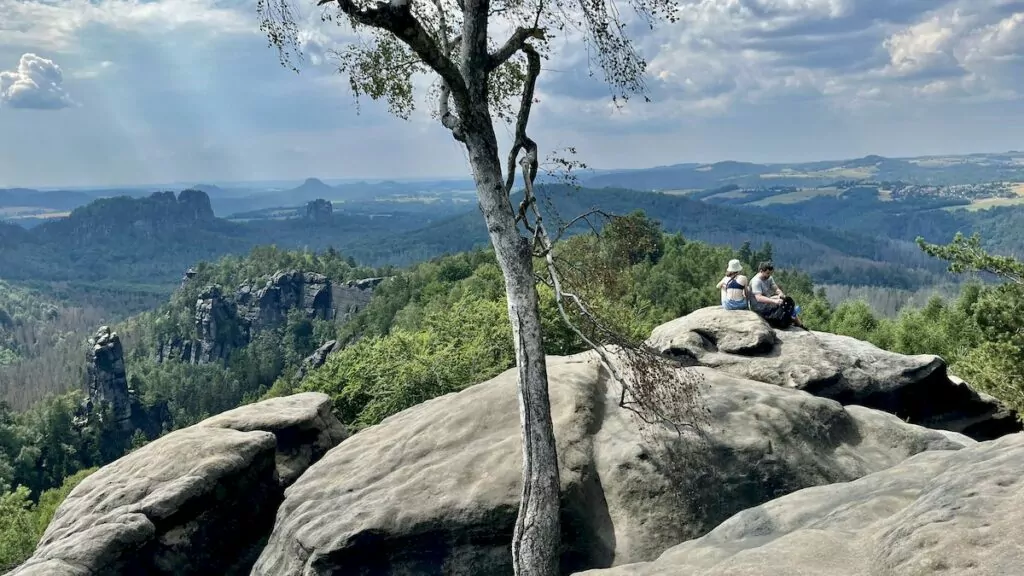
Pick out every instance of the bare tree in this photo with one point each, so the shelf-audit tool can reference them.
(478, 79)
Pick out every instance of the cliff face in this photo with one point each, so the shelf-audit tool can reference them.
(110, 218)
(227, 321)
(106, 380)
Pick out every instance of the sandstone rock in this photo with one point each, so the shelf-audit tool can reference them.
(319, 211)
(915, 388)
(317, 358)
(105, 377)
(217, 326)
(352, 296)
(225, 322)
(267, 307)
(303, 423)
(435, 488)
(940, 512)
(196, 501)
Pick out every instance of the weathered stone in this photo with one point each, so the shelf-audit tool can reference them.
(319, 211)
(225, 322)
(915, 388)
(196, 501)
(303, 423)
(217, 327)
(435, 488)
(940, 512)
(317, 358)
(105, 376)
(352, 296)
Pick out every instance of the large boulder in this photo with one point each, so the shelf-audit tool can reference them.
(941, 512)
(435, 488)
(197, 501)
(915, 388)
(303, 424)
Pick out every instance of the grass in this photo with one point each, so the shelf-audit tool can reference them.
(797, 197)
(731, 194)
(986, 203)
(839, 173)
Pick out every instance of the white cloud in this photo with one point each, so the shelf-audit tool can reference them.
(36, 83)
(56, 24)
(853, 55)
(93, 71)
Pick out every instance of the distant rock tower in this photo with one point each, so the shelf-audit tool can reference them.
(320, 211)
(106, 380)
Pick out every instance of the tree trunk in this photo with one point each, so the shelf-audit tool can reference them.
(536, 540)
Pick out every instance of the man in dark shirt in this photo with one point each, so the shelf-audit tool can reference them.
(769, 301)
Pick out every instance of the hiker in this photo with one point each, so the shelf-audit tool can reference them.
(734, 287)
(770, 302)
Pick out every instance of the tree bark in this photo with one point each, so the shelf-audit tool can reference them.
(536, 540)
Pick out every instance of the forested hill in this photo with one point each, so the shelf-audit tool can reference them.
(147, 243)
(425, 331)
(830, 256)
(931, 170)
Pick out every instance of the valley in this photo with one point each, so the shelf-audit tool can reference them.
(368, 299)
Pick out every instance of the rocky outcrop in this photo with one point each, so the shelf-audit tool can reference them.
(319, 211)
(317, 358)
(303, 424)
(915, 388)
(196, 501)
(225, 322)
(352, 296)
(435, 489)
(217, 327)
(106, 381)
(943, 512)
(266, 307)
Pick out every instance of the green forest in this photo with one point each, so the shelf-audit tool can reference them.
(430, 329)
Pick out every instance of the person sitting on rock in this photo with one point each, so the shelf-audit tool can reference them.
(770, 302)
(734, 287)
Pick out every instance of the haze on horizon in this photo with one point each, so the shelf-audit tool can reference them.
(126, 92)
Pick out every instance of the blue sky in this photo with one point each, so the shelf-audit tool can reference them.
(114, 92)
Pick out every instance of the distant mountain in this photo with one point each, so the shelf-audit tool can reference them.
(54, 200)
(935, 170)
(151, 241)
(830, 256)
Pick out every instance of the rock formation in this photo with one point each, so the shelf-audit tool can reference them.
(790, 475)
(317, 358)
(941, 512)
(435, 489)
(105, 379)
(225, 322)
(319, 211)
(266, 307)
(195, 501)
(352, 296)
(217, 327)
(915, 388)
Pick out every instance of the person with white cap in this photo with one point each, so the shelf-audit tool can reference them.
(734, 287)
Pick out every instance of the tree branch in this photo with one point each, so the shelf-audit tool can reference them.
(521, 140)
(514, 44)
(397, 18)
(448, 120)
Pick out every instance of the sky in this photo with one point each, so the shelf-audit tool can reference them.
(122, 92)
